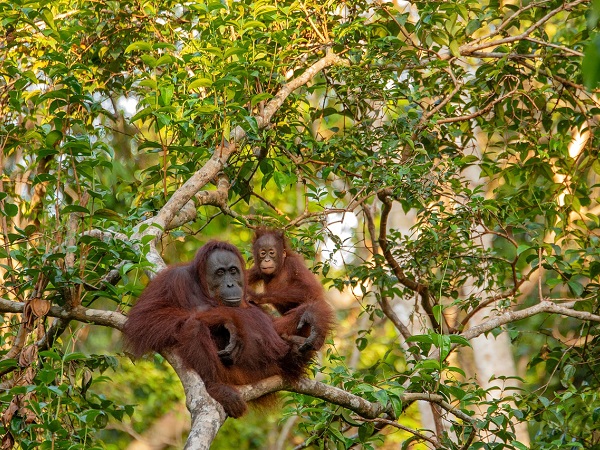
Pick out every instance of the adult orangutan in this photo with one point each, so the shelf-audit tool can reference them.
(200, 311)
(291, 288)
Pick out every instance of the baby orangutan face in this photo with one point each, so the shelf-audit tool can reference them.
(269, 254)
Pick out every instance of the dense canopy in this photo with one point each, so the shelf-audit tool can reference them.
(436, 163)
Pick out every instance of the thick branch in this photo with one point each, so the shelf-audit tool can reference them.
(110, 319)
(498, 320)
(207, 415)
(316, 389)
(275, 103)
(513, 316)
(364, 408)
(189, 189)
(219, 158)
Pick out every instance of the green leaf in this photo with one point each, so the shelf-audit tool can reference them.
(253, 24)
(437, 313)
(456, 370)
(47, 376)
(590, 66)
(74, 356)
(429, 364)
(420, 338)
(163, 45)
(233, 51)
(472, 26)
(149, 60)
(259, 98)
(107, 214)
(59, 392)
(8, 364)
(142, 114)
(361, 343)
(165, 60)
(456, 339)
(594, 269)
(53, 137)
(396, 405)
(468, 159)
(347, 417)
(568, 373)
(50, 354)
(75, 208)
(283, 181)
(337, 434)
(381, 396)
(43, 178)
(148, 238)
(48, 18)
(251, 120)
(365, 431)
(454, 48)
(149, 83)
(139, 45)
(576, 288)
(10, 209)
(166, 94)
(101, 420)
(199, 82)
(206, 109)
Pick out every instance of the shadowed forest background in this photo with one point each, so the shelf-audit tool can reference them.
(436, 164)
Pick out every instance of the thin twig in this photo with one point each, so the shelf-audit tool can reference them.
(394, 424)
(467, 50)
(481, 112)
(411, 284)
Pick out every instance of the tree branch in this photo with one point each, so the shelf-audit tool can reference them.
(421, 436)
(110, 319)
(513, 316)
(384, 301)
(213, 166)
(276, 102)
(495, 31)
(478, 113)
(332, 394)
(421, 289)
(187, 191)
(207, 414)
(498, 320)
(467, 50)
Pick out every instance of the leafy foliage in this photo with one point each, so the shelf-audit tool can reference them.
(447, 158)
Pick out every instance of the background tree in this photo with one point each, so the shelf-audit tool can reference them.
(134, 131)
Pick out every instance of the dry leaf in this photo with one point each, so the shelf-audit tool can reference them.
(40, 307)
(8, 441)
(28, 355)
(9, 412)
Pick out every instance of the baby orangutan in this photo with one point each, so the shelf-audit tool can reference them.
(292, 289)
